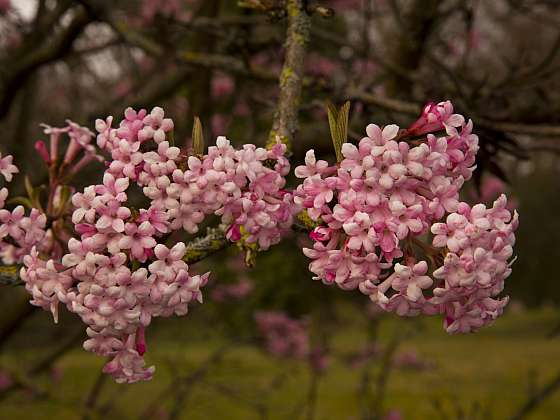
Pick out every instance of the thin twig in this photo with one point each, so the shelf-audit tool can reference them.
(94, 393)
(537, 398)
(184, 383)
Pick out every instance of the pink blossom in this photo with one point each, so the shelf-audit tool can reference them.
(7, 169)
(6, 380)
(235, 291)
(436, 117)
(222, 85)
(384, 196)
(47, 282)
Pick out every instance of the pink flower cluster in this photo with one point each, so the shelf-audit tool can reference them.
(18, 233)
(233, 291)
(46, 281)
(245, 187)
(125, 275)
(118, 273)
(79, 152)
(480, 243)
(373, 208)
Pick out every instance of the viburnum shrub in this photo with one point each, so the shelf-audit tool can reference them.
(386, 220)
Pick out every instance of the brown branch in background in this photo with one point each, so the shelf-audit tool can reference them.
(23, 311)
(26, 107)
(377, 404)
(414, 109)
(93, 395)
(537, 398)
(291, 79)
(418, 22)
(181, 385)
(312, 395)
(48, 49)
(43, 365)
(198, 93)
(195, 58)
(364, 388)
(382, 102)
(518, 128)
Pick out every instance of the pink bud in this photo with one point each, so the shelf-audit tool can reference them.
(41, 148)
(234, 233)
(141, 341)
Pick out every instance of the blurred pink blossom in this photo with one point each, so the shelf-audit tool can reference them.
(410, 359)
(235, 291)
(6, 380)
(319, 358)
(219, 124)
(318, 65)
(369, 352)
(165, 8)
(393, 414)
(284, 336)
(5, 6)
(222, 85)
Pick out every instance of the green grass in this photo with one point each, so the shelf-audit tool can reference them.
(490, 369)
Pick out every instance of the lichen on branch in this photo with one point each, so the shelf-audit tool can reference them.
(291, 78)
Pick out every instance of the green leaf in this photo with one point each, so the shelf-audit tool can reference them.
(338, 123)
(343, 115)
(198, 137)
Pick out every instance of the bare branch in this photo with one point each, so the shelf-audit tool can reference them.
(18, 69)
(538, 397)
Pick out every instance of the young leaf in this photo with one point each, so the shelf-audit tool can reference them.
(338, 123)
(198, 137)
(343, 115)
(332, 114)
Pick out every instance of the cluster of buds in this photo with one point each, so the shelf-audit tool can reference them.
(46, 279)
(18, 233)
(374, 208)
(245, 187)
(118, 272)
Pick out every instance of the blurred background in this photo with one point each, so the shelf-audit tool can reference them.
(332, 356)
